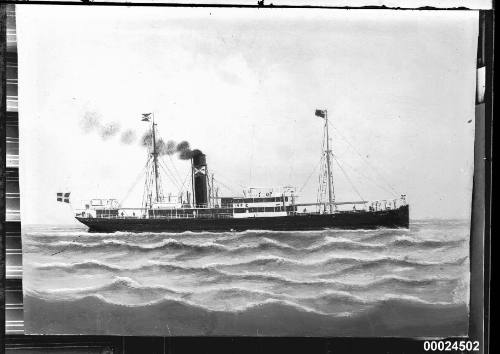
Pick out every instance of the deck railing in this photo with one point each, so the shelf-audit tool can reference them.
(230, 211)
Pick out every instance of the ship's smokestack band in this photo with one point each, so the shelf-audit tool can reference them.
(200, 181)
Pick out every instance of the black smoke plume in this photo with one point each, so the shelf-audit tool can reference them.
(90, 121)
(185, 152)
(165, 148)
(147, 139)
(162, 147)
(109, 129)
(182, 146)
(170, 147)
(128, 137)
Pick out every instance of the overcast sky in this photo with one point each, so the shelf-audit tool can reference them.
(242, 85)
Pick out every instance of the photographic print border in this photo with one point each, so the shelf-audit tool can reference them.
(11, 237)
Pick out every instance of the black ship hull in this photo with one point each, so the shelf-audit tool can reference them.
(393, 218)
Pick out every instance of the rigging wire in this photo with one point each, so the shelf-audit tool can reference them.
(367, 178)
(174, 182)
(310, 175)
(184, 183)
(169, 174)
(366, 160)
(134, 183)
(225, 186)
(148, 184)
(175, 168)
(237, 182)
(348, 179)
(229, 188)
(321, 190)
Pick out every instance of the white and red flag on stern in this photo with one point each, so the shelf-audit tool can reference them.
(63, 197)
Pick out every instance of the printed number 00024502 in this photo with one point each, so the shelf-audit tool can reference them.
(449, 346)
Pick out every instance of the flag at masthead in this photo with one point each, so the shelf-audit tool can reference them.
(320, 113)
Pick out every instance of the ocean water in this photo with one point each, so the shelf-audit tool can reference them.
(385, 282)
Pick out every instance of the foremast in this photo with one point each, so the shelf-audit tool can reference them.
(153, 183)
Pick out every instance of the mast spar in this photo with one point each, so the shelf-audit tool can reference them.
(152, 170)
(328, 165)
(155, 157)
(325, 188)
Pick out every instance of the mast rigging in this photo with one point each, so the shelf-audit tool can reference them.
(155, 158)
(325, 186)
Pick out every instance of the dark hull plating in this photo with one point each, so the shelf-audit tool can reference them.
(396, 218)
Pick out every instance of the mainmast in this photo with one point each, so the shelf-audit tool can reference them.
(155, 157)
(328, 164)
(326, 177)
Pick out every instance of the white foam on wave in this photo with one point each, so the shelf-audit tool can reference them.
(388, 279)
(413, 299)
(332, 259)
(409, 240)
(222, 297)
(73, 266)
(117, 283)
(329, 240)
(271, 269)
(169, 242)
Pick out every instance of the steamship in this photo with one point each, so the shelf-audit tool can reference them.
(200, 208)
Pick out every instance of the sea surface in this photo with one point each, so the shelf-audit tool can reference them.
(385, 282)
